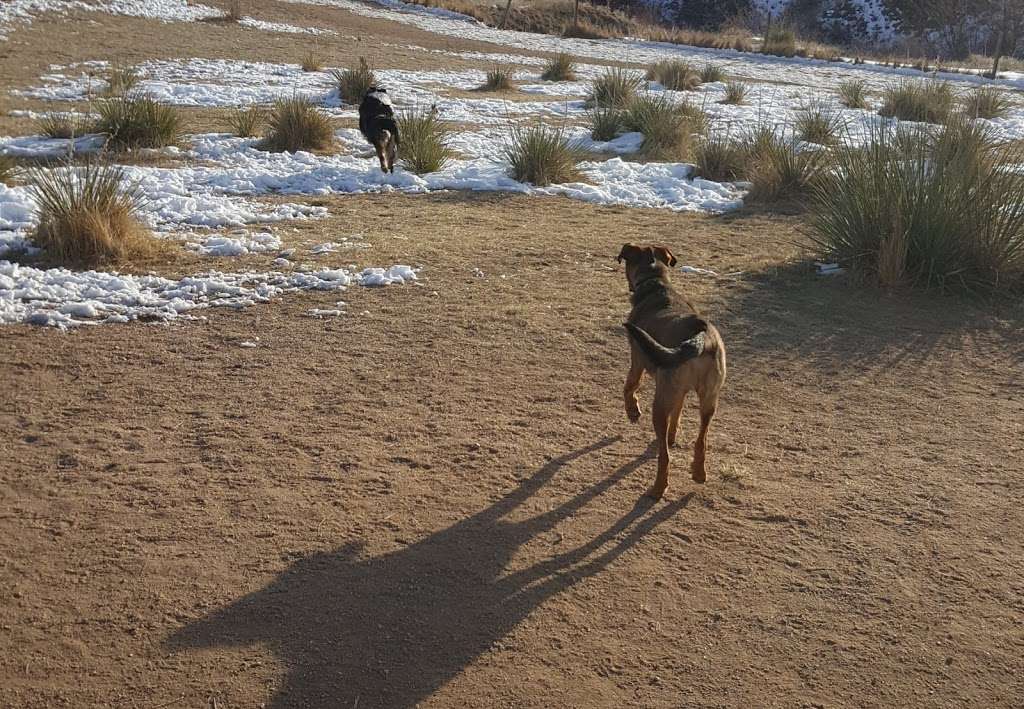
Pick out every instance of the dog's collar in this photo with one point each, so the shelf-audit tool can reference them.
(653, 278)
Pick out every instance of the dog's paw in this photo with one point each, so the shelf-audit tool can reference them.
(655, 492)
(633, 414)
(699, 475)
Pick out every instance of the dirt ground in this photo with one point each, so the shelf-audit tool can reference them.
(436, 500)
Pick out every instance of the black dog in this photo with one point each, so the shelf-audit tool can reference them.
(377, 124)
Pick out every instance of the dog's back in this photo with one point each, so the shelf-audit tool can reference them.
(377, 124)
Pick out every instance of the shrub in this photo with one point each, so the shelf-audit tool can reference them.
(987, 102)
(498, 79)
(817, 122)
(779, 169)
(247, 122)
(720, 158)
(735, 93)
(913, 208)
(616, 88)
(297, 124)
(424, 147)
(853, 94)
(121, 79)
(560, 68)
(674, 74)
(312, 61)
(780, 41)
(927, 101)
(711, 73)
(89, 215)
(542, 155)
(354, 82)
(136, 121)
(668, 128)
(63, 125)
(605, 123)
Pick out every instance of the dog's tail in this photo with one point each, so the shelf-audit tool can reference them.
(664, 357)
(388, 125)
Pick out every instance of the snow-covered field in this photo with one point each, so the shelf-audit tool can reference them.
(218, 180)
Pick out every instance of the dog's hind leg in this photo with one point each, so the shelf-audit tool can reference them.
(381, 157)
(708, 404)
(633, 378)
(392, 153)
(661, 412)
(673, 422)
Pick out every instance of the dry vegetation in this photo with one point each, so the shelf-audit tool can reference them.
(295, 124)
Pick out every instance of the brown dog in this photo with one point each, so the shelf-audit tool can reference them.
(670, 340)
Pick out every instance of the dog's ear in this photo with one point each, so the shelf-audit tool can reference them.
(627, 251)
(664, 255)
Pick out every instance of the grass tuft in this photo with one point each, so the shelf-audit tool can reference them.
(780, 41)
(616, 88)
(674, 74)
(913, 207)
(779, 169)
(8, 166)
(853, 94)
(736, 93)
(234, 11)
(88, 215)
(711, 73)
(987, 102)
(312, 61)
(605, 123)
(498, 79)
(424, 147)
(297, 124)
(721, 158)
(354, 82)
(542, 155)
(134, 121)
(247, 122)
(818, 122)
(560, 68)
(121, 79)
(926, 101)
(63, 125)
(668, 128)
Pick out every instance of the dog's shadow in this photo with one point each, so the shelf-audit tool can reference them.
(390, 630)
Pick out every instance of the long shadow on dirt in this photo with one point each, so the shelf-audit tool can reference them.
(390, 630)
(831, 323)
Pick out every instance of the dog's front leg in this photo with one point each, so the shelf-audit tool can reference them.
(633, 378)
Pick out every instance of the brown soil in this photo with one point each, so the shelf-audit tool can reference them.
(436, 499)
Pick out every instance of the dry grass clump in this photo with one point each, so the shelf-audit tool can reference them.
(668, 128)
(498, 78)
(721, 158)
(736, 93)
(987, 102)
(818, 122)
(121, 79)
(559, 68)
(915, 207)
(425, 141)
(234, 13)
(297, 124)
(8, 166)
(780, 41)
(605, 123)
(247, 122)
(926, 101)
(780, 169)
(88, 215)
(674, 74)
(616, 88)
(63, 125)
(711, 73)
(354, 82)
(133, 121)
(853, 94)
(312, 61)
(542, 155)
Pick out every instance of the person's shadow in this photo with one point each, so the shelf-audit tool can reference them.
(390, 630)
